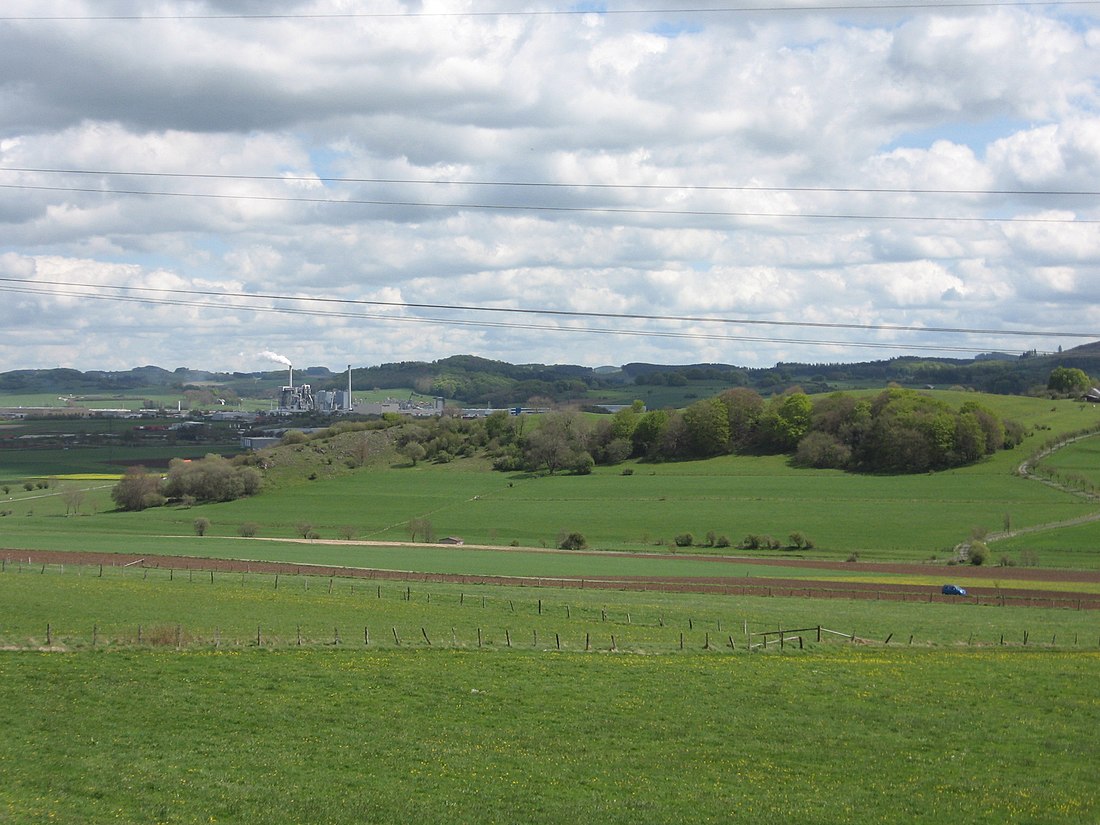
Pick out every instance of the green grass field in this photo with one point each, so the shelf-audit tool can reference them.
(954, 726)
(909, 517)
(335, 736)
(83, 602)
(177, 696)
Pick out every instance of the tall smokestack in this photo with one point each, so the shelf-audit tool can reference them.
(291, 370)
(349, 386)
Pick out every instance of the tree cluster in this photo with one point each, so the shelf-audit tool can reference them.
(214, 478)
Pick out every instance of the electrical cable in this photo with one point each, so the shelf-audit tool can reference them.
(534, 13)
(605, 210)
(690, 187)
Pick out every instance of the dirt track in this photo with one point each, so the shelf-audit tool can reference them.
(981, 584)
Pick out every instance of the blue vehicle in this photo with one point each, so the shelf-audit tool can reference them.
(953, 590)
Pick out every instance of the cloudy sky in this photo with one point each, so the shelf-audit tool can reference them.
(189, 183)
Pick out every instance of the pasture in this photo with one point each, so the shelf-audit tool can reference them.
(317, 721)
(103, 606)
(149, 694)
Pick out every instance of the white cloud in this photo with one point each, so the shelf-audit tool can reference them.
(789, 112)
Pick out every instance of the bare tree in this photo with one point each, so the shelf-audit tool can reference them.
(73, 498)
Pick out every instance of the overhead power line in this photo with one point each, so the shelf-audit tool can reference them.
(660, 187)
(41, 287)
(636, 333)
(511, 207)
(535, 13)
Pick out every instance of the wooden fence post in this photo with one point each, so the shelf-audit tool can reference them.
(396, 639)
(479, 637)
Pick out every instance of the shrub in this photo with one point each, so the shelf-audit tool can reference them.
(201, 526)
(248, 529)
(303, 529)
(684, 540)
(979, 553)
(628, 471)
(28, 485)
(800, 542)
(574, 541)
(722, 541)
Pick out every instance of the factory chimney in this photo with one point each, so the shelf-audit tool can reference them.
(290, 368)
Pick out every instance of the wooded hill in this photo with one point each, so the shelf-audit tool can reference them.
(473, 380)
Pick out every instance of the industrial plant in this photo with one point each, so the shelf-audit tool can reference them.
(301, 398)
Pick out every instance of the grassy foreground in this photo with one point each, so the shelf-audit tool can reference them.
(851, 735)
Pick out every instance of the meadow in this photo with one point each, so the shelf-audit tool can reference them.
(334, 700)
(149, 694)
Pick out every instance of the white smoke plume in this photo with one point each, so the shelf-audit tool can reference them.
(274, 356)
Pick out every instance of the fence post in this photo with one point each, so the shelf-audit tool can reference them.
(366, 637)
(139, 634)
(95, 634)
(479, 637)
(259, 638)
(396, 639)
(299, 629)
(429, 641)
(49, 635)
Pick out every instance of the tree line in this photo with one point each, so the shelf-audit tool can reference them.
(897, 431)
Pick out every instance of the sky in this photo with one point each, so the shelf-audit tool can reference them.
(211, 183)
